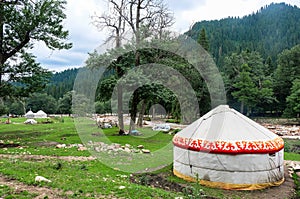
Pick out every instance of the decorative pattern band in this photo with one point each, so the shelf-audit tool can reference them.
(230, 147)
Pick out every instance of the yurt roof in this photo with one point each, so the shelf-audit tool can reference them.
(225, 130)
(40, 112)
(29, 113)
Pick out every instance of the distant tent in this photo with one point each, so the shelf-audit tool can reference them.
(29, 115)
(40, 114)
(30, 121)
(226, 149)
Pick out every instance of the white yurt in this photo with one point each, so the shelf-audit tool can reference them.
(40, 114)
(29, 114)
(226, 149)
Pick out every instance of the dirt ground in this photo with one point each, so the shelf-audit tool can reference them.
(284, 191)
(41, 192)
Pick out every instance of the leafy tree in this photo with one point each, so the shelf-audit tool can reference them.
(246, 91)
(202, 40)
(16, 108)
(249, 67)
(3, 108)
(102, 107)
(142, 18)
(287, 71)
(293, 100)
(42, 101)
(266, 98)
(65, 104)
(21, 24)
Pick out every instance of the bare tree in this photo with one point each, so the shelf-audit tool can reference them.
(142, 18)
(114, 22)
(145, 18)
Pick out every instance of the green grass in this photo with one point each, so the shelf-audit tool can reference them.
(93, 178)
(297, 185)
(81, 178)
(10, 193)
(30, 137)
(291, 149)
(292, 156)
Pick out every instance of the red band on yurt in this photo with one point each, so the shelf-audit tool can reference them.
(229, 147)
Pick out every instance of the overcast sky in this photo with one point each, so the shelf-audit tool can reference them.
(85, 37)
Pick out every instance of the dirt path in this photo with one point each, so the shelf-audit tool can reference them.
(44, 157)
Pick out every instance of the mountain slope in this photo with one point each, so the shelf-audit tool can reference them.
(269, 31)
(61, 83)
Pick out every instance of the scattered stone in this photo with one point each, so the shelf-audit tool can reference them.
(60, 146)
(127, 150)
(140, 146)
(136, 150)
(145, 150)
(127, 145)
(122, 187)
(41, 179)
(110, 147)
(82, 148)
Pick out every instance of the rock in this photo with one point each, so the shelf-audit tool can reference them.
(136, 150)
(127, 150)
(80, 145)
(110, 147)
(59, 146)
(145, 151)
(97, 149)
(296, 167)
(298, 174)
(140, 146)
(41, 179)
(122, 187)
(117, 146)
(81, 148)
(127, 145)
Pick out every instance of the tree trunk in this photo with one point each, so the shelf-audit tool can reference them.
(120, 107)
(153, 112)
(242, 107)
(141, 115)
(133, 111)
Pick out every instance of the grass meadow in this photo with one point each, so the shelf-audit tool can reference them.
(87, 179)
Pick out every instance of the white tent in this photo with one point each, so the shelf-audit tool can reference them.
(29, 114)
(226, 149)
(40, 114)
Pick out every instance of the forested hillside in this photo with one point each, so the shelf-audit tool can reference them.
(61, 83)
(269, 31)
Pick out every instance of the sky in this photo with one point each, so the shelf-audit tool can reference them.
(86, 37)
